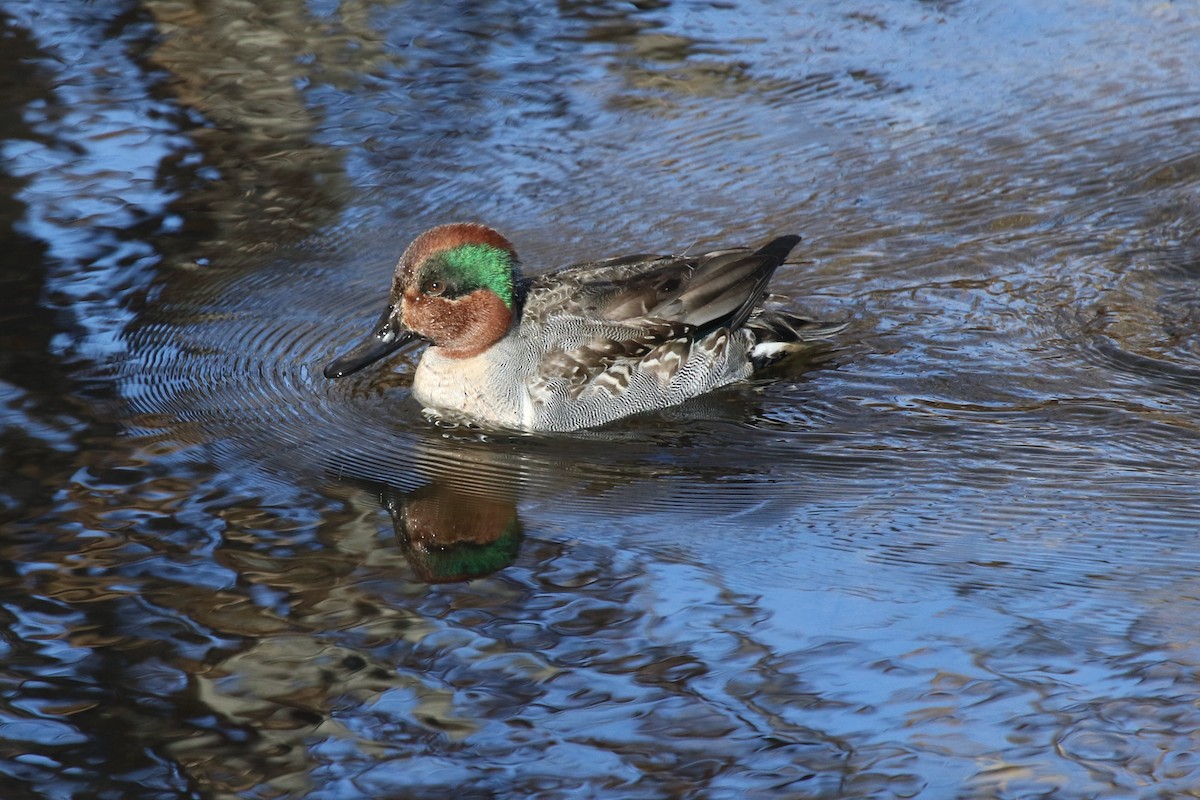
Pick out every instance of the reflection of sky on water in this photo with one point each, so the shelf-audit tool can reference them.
(92, 172)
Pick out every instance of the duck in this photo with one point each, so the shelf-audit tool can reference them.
(582, 345)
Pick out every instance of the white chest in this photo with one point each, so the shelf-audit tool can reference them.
(482, 387)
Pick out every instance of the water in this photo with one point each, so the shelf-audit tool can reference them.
(949, 557)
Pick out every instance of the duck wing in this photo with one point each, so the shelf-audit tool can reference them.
(717, 289)
(600, 323)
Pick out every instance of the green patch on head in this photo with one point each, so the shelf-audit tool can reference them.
(480, 266)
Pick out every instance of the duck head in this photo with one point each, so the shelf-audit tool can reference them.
(454, 288)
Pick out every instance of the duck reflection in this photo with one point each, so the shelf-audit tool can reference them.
(449, 535)
(461, 520)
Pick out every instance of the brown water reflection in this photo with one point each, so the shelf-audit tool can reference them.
(267, 178)
(952, 558)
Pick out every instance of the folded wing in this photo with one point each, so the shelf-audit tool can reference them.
(609, 321)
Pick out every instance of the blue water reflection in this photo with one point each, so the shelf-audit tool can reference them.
(950, 557)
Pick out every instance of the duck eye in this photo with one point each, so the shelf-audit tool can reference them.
(435, 287)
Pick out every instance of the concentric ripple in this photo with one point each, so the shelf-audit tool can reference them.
(238, 367)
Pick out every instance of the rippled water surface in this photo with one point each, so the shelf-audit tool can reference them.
(952, 555)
